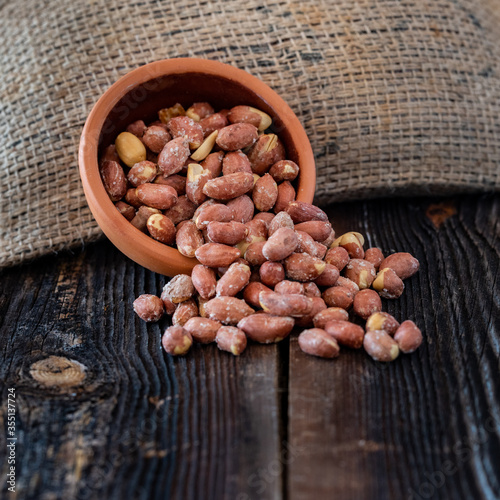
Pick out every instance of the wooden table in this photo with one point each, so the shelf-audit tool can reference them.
(102, 412)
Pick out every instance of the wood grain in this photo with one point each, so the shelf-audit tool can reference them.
(102, 412)
(139, 423)
(427, 425)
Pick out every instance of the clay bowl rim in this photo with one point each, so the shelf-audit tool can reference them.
(138, 246)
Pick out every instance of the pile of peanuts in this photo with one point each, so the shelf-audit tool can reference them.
(220, 189)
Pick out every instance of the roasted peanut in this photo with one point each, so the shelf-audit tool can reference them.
(311, 290)
(353, 243)
(231, 339)
(345, 333)
(242, 207)
(235, 161)
(142, 172)
(289, 287)
(284, 170)
(402, 263)
(380, 346)
(234, 280)
(280, 304)
(149, 307)
(188, 238)
(361, 272)
(216, 255)
(184, 311)
(173, 156)
(199, 110)
(125, 209)
(161, 228)
(303, 267)
(227, 310)
(204, 281)
(338, 296)
(137, 128)
(280, 220)
(237, 136)
(229, 186)
(265, 193)
(183, 210)
(265, 152)
(253, 253)
(265, 328)
(337, 256)
(130, 149)
(247, 114)
(140, 220)
(328, 277)
(375, 256)
(280, 245)
(286, 194)
(366, 302)
(300, 211)
(317, 229)
(388, 284)
(202, 330)
(317, 342)
(331, 313)
(176, 341)
(157, 196)
(114, 180)
(252, 291)
(155, 138)
(382, 321)
(271, 273)
(408, 336)
(187, 128)
(179, 288)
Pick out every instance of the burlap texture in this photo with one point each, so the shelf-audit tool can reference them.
(397, 97)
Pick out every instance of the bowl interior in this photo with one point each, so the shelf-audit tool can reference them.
(140, 95)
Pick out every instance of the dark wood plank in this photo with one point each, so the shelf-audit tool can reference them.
(139, 424)
(427, 425)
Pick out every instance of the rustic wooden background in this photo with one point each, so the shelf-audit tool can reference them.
(102, 412)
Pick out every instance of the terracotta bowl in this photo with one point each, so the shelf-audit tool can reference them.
(139, 95)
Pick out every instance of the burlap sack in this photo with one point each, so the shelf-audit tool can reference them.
(397, 96)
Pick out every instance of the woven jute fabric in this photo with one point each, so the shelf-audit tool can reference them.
(397, 97)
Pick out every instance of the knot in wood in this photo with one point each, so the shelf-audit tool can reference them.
(57, 371)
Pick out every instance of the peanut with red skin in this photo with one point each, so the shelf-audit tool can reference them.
(204, 281)
(265, 193)
(331, 313)
(188, 238)
(227, 233)
(382, 321)
(229, 186)
(280, 304)
(149, 307)
(114, 179)
(266, 151)
(187, 128)
(184, 311)
(352, 243)
(179, 288)
(338, 296)
(328, 277)
(408, 336)
(375, 256)
(235, 161)
(252, 291)
(302, 267)
(286, 286)
(125, 209)
(338, 257)
(216, 255)
(202, 330)
(284, 170)
(137, 128)
(253, 253)
(265, 328)
(155, 138)
(311, 290)
(227, 310)
(173, 156)
(301, 211)
(366, 302)
(140, 220)
(231, 339)
(234, 280)
(161, 228)
(286, 194)
(317, 342)
(237, 136)
(183, 210)
(317, 305)
(271, 273)
(402, 263)
(280, 220)
(281, 244)
(213, 163)
(213, 122)
(380, 346)
(178, 182)
(242, 207)
(176, 341)
(388, 284)
(345, 333)
(317, 229)
(157, 195)
(142, 172)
